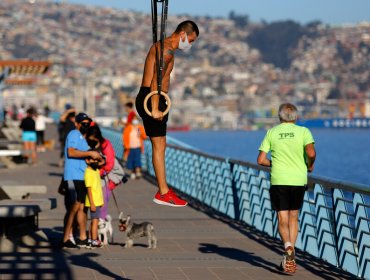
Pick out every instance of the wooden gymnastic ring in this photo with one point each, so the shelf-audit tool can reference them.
(150, 95)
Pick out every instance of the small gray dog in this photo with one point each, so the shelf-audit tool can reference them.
(137, 230)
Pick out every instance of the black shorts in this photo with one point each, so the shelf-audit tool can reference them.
(153, 128)
(286, 197)
(75, 191)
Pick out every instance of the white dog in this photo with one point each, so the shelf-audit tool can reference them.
(105, 230)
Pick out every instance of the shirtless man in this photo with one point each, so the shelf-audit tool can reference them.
(155, 127)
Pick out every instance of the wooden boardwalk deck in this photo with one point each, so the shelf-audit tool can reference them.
(193, 242)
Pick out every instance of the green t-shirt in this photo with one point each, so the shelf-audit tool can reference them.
(287, 143)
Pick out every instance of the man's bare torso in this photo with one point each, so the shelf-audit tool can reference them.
(149, 68)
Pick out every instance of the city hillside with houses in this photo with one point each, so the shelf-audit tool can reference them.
(235, 76)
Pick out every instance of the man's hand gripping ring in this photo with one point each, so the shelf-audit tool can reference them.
(150, 95)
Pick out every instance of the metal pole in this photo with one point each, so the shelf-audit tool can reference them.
(154, 20)
(162, 37)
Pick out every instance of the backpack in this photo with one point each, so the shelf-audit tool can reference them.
(117, 174)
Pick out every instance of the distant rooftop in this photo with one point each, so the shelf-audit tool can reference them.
(25, 67)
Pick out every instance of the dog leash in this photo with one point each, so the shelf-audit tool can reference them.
(115, 202)
(114, 197)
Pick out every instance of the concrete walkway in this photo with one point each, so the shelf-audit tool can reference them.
(193, 242)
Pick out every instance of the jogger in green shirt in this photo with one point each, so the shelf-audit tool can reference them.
(292, 156)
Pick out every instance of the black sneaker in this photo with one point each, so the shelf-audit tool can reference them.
(82, 243)
(68, 245)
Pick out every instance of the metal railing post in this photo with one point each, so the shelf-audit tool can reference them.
(235, 191)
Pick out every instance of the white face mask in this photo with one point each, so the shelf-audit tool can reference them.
(184, 45)
(135, 122)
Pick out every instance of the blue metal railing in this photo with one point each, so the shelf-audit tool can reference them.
(334, 219)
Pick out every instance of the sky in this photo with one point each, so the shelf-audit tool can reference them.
(332, 12)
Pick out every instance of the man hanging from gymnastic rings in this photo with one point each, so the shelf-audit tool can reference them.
(156, 124)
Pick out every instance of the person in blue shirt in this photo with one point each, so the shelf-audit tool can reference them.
(76, 150)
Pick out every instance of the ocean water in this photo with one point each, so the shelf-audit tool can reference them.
(342, 154)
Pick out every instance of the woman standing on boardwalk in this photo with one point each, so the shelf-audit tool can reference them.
(29, 136)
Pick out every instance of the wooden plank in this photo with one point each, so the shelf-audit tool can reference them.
(10, 208)
(21, 191)
(8, 153)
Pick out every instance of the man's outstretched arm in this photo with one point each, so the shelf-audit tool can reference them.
(164, 85)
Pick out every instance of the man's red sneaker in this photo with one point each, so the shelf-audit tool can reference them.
(169, 199)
